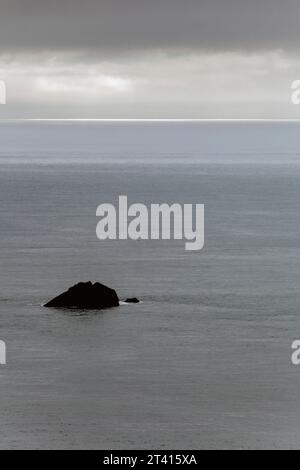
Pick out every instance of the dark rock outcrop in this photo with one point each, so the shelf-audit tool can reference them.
(134, 300)
(86, 295)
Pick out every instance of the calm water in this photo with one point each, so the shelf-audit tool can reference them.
(204, 362)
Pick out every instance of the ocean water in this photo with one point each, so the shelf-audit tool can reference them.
(205, 360)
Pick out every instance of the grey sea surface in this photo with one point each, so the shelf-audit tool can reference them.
(205, 360)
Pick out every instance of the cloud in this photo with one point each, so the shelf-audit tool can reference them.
(143, 58)
(109, 26)
(153, 84)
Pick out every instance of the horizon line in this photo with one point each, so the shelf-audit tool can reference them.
(150, 119)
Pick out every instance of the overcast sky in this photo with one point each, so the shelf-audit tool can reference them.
(149, 58)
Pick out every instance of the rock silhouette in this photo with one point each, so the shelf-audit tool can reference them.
(86, 295)
(134, 300)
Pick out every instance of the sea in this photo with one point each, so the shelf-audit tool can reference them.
(204, 361)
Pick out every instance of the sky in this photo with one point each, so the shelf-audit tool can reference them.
(179, 59)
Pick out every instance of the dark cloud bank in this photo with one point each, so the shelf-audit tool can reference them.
(110, 25)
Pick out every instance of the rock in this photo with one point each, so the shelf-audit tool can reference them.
(86, 295)
(134, 300)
